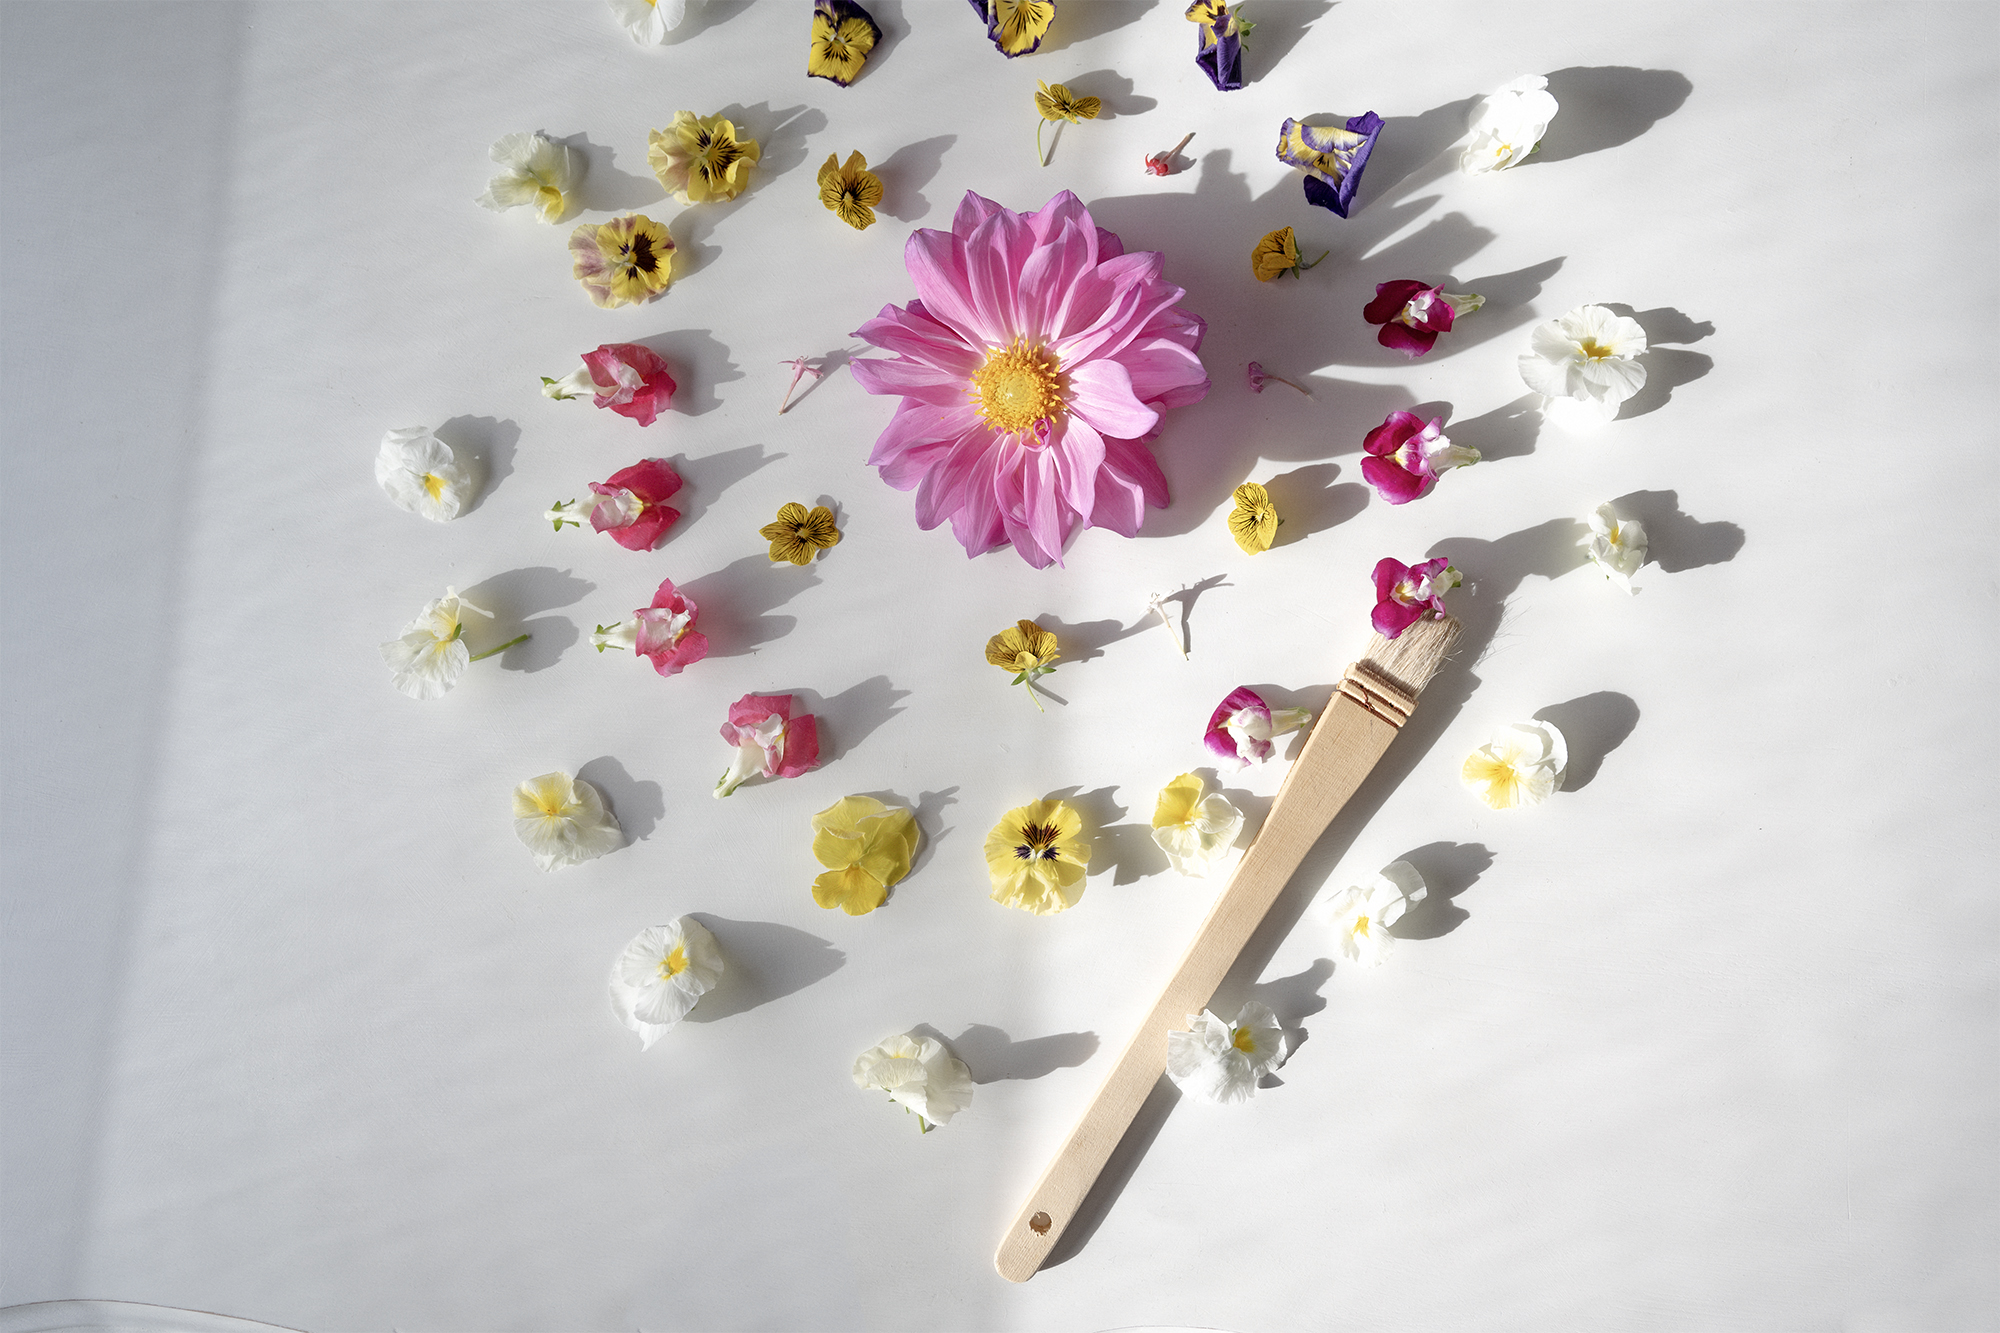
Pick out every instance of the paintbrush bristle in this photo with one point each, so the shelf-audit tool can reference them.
(1409, 660)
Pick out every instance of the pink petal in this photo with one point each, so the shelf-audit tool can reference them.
(943, 489)
(651, 479)
(1101, 394)
(993, 274)
(1077, 455)
(669, 598)
(1394, 430)
(642, 532)
(1388, 572)
(1161, 370)
(689, 649)
(1403, 338)
(911, 379)
(752, 709)
(1392, 618)
(1393, 483)
(1049, 219)
(1135, 463)
(914, 334)
(937, 265)
(918, 436)
(801, 749)
(1049, 273)
(1390, 298)
(972, 210)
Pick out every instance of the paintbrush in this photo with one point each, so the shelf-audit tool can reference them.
(1374, 699)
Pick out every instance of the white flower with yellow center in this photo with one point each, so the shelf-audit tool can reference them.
(1362, 913)
(431, 654)
(563, 822)
(422, 474)
(1197, 833)
(1522, 765)
(534, 169)
(1223, 1061)
(649, 21)
(1615, 546)
(661, 974)
(1585, 364)
(919, 1074)
(1508, 125)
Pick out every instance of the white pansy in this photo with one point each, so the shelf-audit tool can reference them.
(1616, 546)
(1223, 1061)
(649, 21)
(1361, 914)
(621, 637)
(1197, 833)
(1585, 364)
(534, 169)
(660, 974)
(563, 822)
(1522, 765)
(919, 1074)
(1508, 125)
(431, 654)
(422, 474)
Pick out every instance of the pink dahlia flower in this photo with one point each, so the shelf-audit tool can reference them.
(631, 504)
(631, 380)
(768, 740)
(1037, 358)
(667, 636)
(1406, 456)
(1405, 594)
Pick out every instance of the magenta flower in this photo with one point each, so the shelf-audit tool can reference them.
(1036, 360)
(1406, 456)
(768, 740)
(1413, 315)
(628, 378)
(1242, 725)
(667, 636)
(631, 504)
(1405, 594)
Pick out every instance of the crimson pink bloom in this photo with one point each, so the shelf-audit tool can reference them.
(667, 635)
(1242, 725)
(1412, 315)
(768, 740)
(1037, 358)
(631, 380)
(1406, 456)
(1405, 594)
(630, 504)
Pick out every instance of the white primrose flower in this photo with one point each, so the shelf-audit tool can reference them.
(563, 822)
(431, 654)
(660, 974)
(1223, 1061)
(1362, 913)
(534, 169)
(1585, 365)
(1615, 546)
(1508, 125)
(422, 474)
(919, 1074)
(649, 21)
(1522, 765)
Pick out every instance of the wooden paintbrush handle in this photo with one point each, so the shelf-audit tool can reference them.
(1351, 735)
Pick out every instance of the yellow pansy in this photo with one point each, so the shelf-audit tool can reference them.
(699, 158)
(1278, 254)
(1036, 857)
(1254, 521)
(626, 261)
(798, 536)
(1027, 649)
(1018, 26)
(866, 847)
(851, 191)
(843, 33)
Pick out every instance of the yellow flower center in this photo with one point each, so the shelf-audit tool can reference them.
(548, 197)
(714, 155)
(638, 255)
(433, 485)
(1244, 1042)
(1019, 387)
(674, 963)
(1361, 925)
(1594, 350)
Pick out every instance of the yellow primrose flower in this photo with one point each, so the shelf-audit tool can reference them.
(1027, 649)
(866, 847)
(1197, 834)
(851, 191)
(1278, 254)
(1018, 26)
(1254, 521)
(1057, 103)
(798, 536)
(1036, 858)
(627, 261)
(699, 158)
(843, 34)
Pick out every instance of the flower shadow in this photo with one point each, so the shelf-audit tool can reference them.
(1087, 639)
(1508, 431)
(1592, 726)
(637, 806)
(606, 189)
(702, 363)
(1674, 540)
(1493, 570)
(1078, 23)
(848, 718)
(1410, 143)
(1279, 29)
(905, 172)
(1127, 850)
(1449, 869)
(1187, 595)
(1292, 999)
(1606, 106)
(702, 16)
(519, 594)
(1667, 368)
(736, 600)
(895, 26)
(764, 961)
(1308, 501)
(1112, 90)
(708, 477)
(487, 444)
(991, 1055)
(928, 808)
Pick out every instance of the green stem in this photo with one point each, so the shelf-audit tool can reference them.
(481, 657)
(1303, 267)
(1038, 143)
(1029, 686)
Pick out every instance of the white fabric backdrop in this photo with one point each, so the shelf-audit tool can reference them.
(297, 1033)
